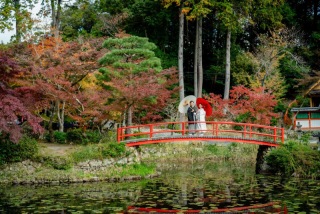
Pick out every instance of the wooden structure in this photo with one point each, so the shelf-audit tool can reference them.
(220, 131)
(308, 118)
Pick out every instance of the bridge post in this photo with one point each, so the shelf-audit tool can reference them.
(183, 128)
(262, 151)
(118, 135)
(275, 134)
(151, 130)
(244, 131)
(282, 135)
(217, 129)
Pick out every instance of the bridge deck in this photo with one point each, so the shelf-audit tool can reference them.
(153, 140)
(217, 131)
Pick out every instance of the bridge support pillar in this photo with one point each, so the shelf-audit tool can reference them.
(262, 151)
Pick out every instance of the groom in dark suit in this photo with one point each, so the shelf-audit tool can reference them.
(192, 113)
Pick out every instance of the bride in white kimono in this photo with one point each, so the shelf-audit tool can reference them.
(201, 116)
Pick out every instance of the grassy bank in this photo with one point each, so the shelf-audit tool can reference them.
(34, 162)
(57, 163)
(49, 175)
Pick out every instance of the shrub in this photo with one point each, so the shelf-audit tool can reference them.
(109, 136)
(75, 136)
(60, 137)
(281, 160)
(212, 148)
(92, 136)
(27, 148)
(294, 157)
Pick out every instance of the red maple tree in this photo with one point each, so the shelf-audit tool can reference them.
(146, 92)
(14, 104)
(257, 103)
(59, 71)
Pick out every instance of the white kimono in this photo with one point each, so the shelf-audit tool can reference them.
(201, 116)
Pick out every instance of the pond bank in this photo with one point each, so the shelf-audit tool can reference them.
(136, 164)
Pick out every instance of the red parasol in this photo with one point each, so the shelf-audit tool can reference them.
(205, 104)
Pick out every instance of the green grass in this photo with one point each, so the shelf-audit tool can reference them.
(137, 169)
(98, 152)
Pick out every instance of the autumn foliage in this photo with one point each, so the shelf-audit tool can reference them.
(256, 104)
(14, 109)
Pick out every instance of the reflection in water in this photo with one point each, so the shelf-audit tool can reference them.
(211, 197)
(259, 208)
(204, 188)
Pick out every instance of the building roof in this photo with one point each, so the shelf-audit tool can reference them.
(314, 92)
(304, 109)
(313, 89)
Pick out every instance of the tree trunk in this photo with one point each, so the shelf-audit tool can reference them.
(227, 79)
(129, 119)
(180, 58)
(17, 19)
(58, 15)
(53, 14)
(52, 112)
(60, 114)
(195, 65)
(200, 67)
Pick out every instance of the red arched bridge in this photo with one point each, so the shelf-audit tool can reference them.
(217, 131)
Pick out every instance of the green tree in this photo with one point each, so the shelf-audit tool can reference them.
(16, 11)
(233, 15)
(129, 59)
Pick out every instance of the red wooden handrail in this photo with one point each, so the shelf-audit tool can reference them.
(214, 128)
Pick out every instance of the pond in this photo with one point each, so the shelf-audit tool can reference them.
(181, 188)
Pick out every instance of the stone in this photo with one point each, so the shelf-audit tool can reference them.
(106, 162)
(95, 163)
(93, 179)
(122, 161)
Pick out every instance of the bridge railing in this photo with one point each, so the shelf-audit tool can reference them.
(214, 128)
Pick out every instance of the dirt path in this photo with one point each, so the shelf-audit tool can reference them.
(56, 149)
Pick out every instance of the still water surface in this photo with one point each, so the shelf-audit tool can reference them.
(187, 188)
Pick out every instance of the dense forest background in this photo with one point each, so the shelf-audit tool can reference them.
(83, 67)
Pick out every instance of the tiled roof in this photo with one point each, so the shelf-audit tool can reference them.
(305, 109)
(314, 92)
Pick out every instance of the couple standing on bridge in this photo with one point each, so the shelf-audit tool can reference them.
(196, 119)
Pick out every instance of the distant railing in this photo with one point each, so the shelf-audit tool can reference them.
(215, 129)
